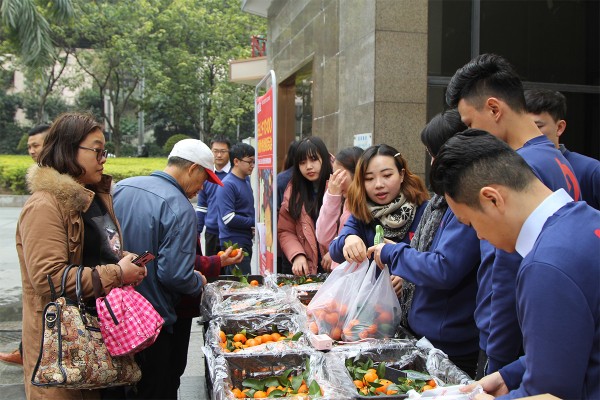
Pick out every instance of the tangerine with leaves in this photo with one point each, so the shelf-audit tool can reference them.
(240, 337)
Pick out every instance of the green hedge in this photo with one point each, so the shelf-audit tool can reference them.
(13, 169)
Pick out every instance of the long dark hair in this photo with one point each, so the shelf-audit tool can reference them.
(302, 189)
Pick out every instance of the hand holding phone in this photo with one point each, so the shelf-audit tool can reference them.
(143, 258)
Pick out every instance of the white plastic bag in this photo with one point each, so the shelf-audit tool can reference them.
(327, 311)
(376, 311)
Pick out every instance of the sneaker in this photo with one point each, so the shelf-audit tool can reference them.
(12, 358)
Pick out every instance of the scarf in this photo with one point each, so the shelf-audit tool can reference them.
(395, 217)
(428, 226)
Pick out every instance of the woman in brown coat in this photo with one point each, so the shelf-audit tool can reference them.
(70, 196)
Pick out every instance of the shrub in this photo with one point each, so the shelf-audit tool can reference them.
(14, 168)
(172, 140)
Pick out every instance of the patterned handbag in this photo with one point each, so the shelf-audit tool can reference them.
(73, 353)
(128, 321)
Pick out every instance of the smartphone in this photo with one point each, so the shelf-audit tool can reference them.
(143, 258)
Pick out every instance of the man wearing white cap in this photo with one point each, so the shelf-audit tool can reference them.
(156, 215)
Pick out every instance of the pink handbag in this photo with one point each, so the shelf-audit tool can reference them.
(128, 321)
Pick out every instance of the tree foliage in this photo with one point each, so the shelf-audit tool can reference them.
(197, 41)
(180, 49)
(29, 29)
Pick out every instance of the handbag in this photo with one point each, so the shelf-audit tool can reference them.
(73, 354)
(128, 321)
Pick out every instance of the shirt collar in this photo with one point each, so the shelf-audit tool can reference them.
(533, 225)
(169, 178)
(226, 168)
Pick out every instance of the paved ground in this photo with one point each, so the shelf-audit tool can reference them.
(193, 385)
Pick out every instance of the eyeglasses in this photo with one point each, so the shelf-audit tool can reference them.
(220, 151)
(249, 162)
(100, 153)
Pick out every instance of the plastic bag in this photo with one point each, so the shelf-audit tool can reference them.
(328, 309)
(376, 312)
(446, 393)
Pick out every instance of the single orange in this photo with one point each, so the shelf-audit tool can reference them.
(370, 376)
(267, 338)
(432, 383)
(332, 318)
(234, 253)
(258, 340)
(385, 317)
(303, 388)
(275, 336)
(254, 282)
(220, 253)
(270, 389)
(372, 329)
(259, 394)
(222, 336)
(426, 387)
(239, 337)
(251, 342)
(336, 333)
(391, 392)
(358, 383)
(384, 384)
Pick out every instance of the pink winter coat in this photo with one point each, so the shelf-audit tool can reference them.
(298, 236)
(327, 223)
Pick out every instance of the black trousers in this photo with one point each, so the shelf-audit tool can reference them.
(211, 244)
(163, 363)
(467, 363)
(245, 265)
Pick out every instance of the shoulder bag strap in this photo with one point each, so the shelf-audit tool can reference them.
(97, 283)
(63, 284)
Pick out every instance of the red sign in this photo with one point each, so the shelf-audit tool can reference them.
(265, 223)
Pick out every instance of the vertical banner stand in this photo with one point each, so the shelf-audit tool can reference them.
(265, 129)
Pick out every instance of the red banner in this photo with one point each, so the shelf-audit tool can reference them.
(265, 224)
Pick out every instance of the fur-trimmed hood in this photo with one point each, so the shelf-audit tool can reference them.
(68, 191)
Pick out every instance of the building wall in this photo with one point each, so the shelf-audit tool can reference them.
(369, 67)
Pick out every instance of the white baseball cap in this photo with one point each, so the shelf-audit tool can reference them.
(196, 151)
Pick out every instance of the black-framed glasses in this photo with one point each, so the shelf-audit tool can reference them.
(249, 162)
(100, 153)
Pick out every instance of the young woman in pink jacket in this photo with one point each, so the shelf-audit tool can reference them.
(302, 201)
(334, 213)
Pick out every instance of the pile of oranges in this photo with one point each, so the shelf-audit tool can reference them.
(232, 343)
(331, 318)
(371, 382)
(289, 392)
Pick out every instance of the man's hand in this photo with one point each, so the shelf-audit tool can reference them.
(376, 251)
(397, 285)
(201, 277)
(300, 265)
(354, 249)
(492, 384)
(326, 262)
(227, 260)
